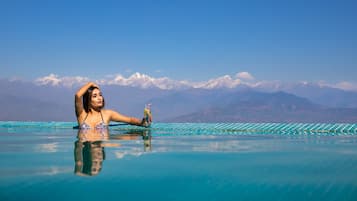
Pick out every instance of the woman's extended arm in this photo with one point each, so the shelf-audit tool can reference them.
(78, 97)
(115, 116)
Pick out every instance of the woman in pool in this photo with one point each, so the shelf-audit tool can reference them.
(90, 112)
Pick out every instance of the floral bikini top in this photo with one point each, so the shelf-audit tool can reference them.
(98, 133)
(99, 126)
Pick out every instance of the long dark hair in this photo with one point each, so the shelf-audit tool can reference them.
(87, 98)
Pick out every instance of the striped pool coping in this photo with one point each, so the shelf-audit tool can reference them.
(209, 128)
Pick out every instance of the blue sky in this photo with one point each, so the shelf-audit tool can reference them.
(191, 40)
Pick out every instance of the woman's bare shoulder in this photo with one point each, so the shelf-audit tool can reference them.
(108, 112)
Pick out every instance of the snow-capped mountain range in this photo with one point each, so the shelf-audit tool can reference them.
(142, 81)
(241, 79)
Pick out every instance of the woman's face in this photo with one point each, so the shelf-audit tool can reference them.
(96, 99)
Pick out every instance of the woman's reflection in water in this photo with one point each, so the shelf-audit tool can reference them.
(89, 158)
(89, 151)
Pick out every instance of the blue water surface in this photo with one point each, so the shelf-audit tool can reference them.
(49, 161)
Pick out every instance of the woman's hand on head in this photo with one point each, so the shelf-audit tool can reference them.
(92, 84)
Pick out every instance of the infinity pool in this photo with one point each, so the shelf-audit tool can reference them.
(45, 161)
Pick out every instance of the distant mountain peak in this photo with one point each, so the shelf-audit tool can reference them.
(225, 81)
(55, 80)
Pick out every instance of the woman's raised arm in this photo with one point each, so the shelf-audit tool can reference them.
(78, 97)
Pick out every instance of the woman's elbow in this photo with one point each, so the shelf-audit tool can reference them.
(77, 97)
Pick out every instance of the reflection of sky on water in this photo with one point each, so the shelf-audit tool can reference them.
(49, 147)
(36, 171)
(234, 144)
(133, 152)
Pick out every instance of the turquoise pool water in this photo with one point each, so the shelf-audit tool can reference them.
(47, 161)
